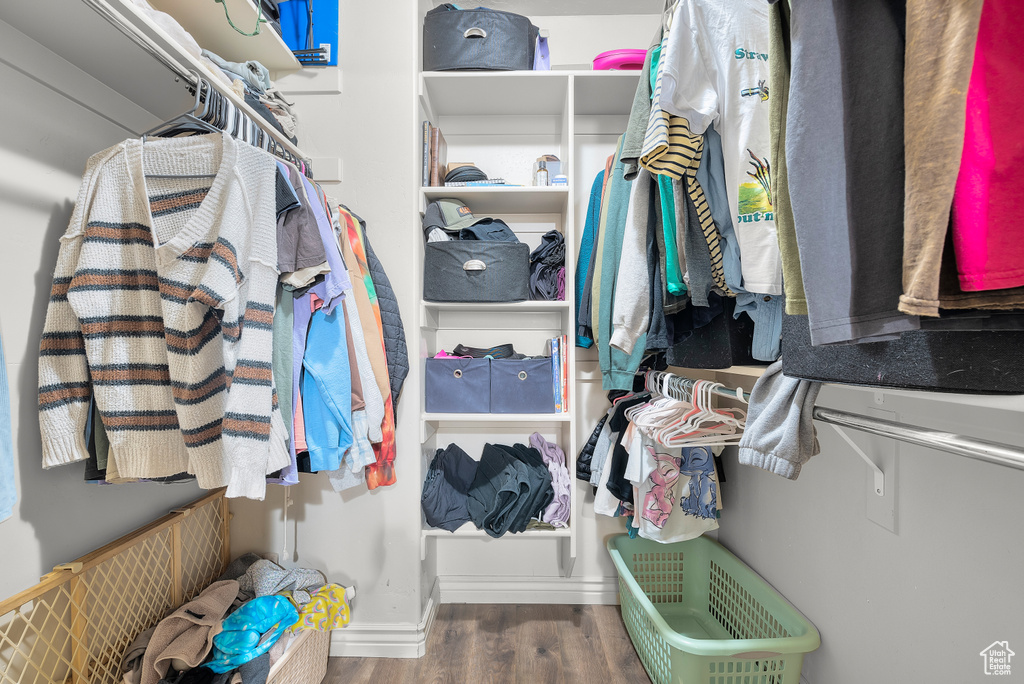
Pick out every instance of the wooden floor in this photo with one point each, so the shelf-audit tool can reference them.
(501, 644)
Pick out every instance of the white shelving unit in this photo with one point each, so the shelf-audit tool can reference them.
(505, 200)
(204, 19)
(502, 121)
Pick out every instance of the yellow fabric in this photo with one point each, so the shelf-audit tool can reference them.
(326, 610)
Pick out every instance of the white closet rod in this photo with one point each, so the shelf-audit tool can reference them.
(104, 9)
(961, 445)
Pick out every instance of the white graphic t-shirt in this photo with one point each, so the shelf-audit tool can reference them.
(716, 72)
(670, 494)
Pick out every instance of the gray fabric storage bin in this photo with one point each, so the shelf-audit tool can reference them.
(477, 39)
(458, 385)
(522, 386)
(476, 271)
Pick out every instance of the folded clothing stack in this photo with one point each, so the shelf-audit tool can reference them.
(547, 268)
(510, 489)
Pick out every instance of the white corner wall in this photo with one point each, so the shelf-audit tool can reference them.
(45, 140)
(576, 40)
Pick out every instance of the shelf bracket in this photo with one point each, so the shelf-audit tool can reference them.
(879, 475)
(427, 430)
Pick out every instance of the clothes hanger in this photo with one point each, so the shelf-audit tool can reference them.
(711, 426)
(183, 123)
(186, 122)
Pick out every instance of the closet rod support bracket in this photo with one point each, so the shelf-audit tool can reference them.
(879, 475)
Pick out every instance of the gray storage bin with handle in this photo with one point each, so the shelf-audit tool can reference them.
(522, 386)
(458, 385)
(476, 271)
(477, 39)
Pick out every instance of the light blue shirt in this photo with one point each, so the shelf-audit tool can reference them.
(765, 310)
(327, 391)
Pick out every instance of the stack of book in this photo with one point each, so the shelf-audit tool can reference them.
(560, 372)
(435, 156)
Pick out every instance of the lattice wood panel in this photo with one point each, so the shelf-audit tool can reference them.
(74, 626)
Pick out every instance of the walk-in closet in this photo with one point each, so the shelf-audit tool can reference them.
(580, 341)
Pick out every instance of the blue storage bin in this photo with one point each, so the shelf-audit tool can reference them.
(522, 386)
(458, 385)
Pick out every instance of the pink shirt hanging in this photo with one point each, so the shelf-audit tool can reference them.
(987, 230)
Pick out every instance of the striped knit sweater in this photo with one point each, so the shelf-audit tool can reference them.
(161, 309)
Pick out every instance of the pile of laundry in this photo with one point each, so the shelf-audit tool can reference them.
(238, 627)
(510, 489)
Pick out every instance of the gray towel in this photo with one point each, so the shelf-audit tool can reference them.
(780, 435)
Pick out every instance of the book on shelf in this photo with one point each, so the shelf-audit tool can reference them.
(556, 374)
(426, 153)
(438, 157)
(563, 349)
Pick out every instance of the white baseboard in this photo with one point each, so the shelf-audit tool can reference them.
(399, 640)
(410, 641)
(553, 590)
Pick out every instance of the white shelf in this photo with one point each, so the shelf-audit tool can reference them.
(747, 371)
(503, 93)
(496, 417)
(500, 307)
(468, 530)
(125, 13)
(205, 20)
(509, 199)
(528, 93)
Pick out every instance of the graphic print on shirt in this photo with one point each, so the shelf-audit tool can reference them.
(755, 201)
(699, 495)
(661, 498)
(761, 91)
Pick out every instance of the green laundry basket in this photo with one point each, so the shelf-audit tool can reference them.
(699, 615)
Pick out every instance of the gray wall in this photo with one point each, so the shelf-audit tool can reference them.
(916, 606)
(45, 140)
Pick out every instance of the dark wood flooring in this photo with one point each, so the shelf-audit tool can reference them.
(502, 644)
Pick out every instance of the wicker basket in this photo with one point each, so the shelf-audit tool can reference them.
(74, 626)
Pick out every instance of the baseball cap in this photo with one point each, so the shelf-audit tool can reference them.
(450, 215)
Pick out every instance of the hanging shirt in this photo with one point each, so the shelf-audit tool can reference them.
(672, 491)
(182, 262)
(327, 391)
(716, 71)
(672, 149)
(764, 309)
(986, 225)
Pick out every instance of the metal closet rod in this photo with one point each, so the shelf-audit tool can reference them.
(961, 445)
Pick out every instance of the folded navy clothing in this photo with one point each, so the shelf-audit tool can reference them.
(541, 493)
(529, 462)
(445, 497)
(496, 494)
